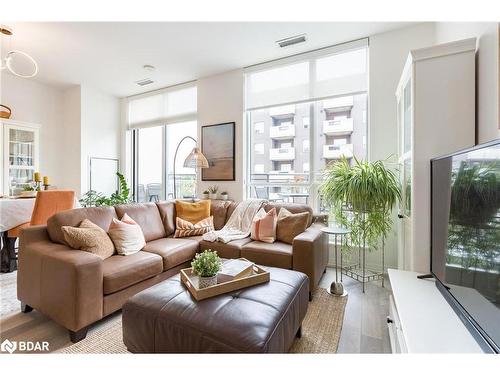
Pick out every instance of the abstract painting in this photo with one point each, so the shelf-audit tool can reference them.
(217, 144)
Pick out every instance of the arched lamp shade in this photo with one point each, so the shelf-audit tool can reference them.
(196, 159)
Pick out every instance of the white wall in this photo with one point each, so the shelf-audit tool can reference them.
(76, 123)
(220, 99)
(35, 102)
(486, 70)
(70, 135)
(100, 129)
(388, 54)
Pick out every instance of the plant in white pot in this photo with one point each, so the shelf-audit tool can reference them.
(224, 195)
(206, 265)
(213, 191)
(206, 194)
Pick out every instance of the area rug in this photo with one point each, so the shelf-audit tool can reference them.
(321, 327)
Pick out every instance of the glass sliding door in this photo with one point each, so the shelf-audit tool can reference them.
(185, 177)
(149, 163)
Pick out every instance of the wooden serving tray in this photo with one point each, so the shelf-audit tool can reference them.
(190, 280)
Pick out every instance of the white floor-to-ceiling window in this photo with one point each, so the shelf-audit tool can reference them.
(157, 123)
(303, 113)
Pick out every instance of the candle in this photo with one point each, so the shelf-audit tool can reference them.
(45, 180)
(37, 177)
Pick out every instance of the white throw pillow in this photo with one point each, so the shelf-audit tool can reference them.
(126, 235)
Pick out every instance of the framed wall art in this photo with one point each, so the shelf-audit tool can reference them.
(218, 146)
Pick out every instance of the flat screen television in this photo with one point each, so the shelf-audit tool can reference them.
(465, 237)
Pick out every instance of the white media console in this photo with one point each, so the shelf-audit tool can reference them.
(421, 320)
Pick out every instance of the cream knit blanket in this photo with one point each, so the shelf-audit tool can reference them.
(239, 224)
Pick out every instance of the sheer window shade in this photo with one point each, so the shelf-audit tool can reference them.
(328, 72)
(160, 108)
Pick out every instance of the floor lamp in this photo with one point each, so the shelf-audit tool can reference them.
(195, 159)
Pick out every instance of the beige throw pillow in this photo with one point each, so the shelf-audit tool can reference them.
(89, 237)
(290, 225)
(127, 235)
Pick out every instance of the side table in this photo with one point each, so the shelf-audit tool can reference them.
(337, 288)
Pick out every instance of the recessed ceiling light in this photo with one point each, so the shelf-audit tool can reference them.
(149, 68)
(291, 40)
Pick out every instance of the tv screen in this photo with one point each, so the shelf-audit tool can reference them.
(465, 237)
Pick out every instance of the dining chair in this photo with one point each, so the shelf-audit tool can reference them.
(47, 203)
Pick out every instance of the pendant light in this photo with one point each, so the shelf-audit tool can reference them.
(18, 63)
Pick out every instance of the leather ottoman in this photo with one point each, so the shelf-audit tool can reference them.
(265, 318)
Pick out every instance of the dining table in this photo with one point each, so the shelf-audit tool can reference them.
(13, 212)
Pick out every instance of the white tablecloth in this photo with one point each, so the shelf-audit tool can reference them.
(14, 212)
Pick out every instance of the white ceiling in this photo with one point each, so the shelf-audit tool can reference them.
(110, 55)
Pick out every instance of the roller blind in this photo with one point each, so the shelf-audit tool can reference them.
(162, 107)
(329, 72)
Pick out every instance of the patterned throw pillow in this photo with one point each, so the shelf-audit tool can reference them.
(264, 226)
(186, 229)
(89, 237)
(290, 225)
(126, 235)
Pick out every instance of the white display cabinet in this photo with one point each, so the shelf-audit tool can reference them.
(20, 150)
(436, 116)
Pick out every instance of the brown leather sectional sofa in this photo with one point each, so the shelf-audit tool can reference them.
(77, 288)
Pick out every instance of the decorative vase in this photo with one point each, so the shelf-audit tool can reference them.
(205, 282)
(213, 195)
(224, 197)
(205, 196)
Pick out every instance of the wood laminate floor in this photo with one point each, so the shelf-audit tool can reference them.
(365, 327)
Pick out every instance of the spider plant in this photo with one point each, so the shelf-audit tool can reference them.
(362, 197)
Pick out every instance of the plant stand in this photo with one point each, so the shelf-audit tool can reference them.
(358, 270)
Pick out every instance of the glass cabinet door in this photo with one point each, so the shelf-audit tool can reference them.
(21, 150)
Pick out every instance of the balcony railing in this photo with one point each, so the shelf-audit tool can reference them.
(338, 127)
(282, 154)
(338, 104)
(281, 176)
(283, 111)
(337, 151)
(282, 131)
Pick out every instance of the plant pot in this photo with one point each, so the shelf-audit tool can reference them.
(213, 195)
(205, 282)
(205, 196)
(224, 197)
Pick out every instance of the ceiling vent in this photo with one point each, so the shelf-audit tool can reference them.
(144, 82)
(292, 40)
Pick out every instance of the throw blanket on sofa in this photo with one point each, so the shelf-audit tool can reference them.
(239, 224)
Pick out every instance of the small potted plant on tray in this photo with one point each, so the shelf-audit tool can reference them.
(206, 193)
(213, 191)
(206, 265)
(224, 195)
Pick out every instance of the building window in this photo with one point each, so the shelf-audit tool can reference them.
(259, 127)
(305, 122)
(286, 101)
(259, 148)
(305, 145)
(152, 154)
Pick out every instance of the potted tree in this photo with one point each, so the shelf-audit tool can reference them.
(362, 197)
(206, 265)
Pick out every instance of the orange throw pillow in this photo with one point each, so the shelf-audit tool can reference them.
(193, 212)
(186, 229)
(264, 226)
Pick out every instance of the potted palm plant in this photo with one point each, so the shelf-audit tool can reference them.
(206, 265)
(362, 197)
